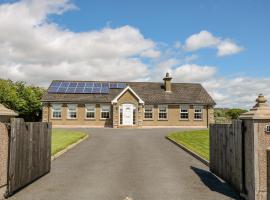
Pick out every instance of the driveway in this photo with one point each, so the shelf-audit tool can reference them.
(118, 163)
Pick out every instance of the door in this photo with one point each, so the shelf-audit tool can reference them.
(127, 114)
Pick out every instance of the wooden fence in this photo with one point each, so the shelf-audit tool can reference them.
(29, 153)
(226, 152)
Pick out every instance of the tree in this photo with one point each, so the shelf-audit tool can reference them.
(235, 113)
(22, 98)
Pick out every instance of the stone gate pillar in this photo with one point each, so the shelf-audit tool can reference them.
(256, 142)
(5, 115)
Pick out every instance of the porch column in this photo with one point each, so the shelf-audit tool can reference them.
(140, 115)
(115, 115)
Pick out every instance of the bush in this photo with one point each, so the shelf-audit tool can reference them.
(22, 98)
(235, 113)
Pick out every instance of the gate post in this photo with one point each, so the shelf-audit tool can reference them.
(5, 115)
(256, 135)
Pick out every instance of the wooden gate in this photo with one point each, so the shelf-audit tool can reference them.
(29, 153)
(226, 152)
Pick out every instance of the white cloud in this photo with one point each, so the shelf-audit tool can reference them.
(200, 40)
(150, 53)
(193, 73)
(205, 39)
(227, 47)
(36, 50)
(237, 92)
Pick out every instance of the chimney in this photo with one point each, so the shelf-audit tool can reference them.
(167, 83)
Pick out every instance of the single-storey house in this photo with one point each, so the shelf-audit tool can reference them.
(127, 104)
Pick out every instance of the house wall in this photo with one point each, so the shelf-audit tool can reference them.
(81, 120)
(173, 118)
(114, 121)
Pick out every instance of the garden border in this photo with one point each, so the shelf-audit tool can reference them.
(192, 153)
(60, 153)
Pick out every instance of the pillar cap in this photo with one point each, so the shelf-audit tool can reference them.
(4, 111)
(260, 111)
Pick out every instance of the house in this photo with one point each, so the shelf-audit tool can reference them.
(127, 104)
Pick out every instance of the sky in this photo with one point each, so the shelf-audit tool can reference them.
(224, 45)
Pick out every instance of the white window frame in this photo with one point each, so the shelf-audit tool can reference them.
(87, 110)
(53, 110)
(201, 112)
(152, 111)
(101, 107)
(69, 106)
(181, 111)
(166, 106)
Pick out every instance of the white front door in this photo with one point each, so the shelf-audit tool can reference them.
(127, 114)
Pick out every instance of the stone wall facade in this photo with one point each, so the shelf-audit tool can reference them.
(3, 158)
(173, 118)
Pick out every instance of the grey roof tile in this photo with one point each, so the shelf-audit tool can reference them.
(150, 93)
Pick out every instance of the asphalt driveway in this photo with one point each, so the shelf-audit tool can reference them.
(118, 163)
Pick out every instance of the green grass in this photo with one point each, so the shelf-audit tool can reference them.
(197, 141)
(61, 139)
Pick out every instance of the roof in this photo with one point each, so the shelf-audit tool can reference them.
(149, 92)
(6, 112)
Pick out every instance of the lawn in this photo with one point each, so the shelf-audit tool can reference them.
(61, 139)
(197, 141)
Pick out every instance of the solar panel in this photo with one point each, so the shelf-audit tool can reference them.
(96, 90)
(89, 84)
(97, 84)
(117, 85)
(64, 84)
(104, 90)
(73, 84)
(55, 84)
(81, 84)
(62, 89)
(52, 89)
(71, 90)
(113, 85)
(83, 87)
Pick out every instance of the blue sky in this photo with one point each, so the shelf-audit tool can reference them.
(246, 22)
(224, 45)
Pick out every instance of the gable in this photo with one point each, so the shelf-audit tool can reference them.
(127, 94)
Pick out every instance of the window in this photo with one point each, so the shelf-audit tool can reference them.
(267, 128)
(72, 111)
(162, 114)
(90, 111)
(184, 112)
(56, 111)
(105, 112)
(198, 115)
(148, 112)
(134, 116)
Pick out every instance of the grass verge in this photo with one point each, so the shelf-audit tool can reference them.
(197, 141)
(61, 139)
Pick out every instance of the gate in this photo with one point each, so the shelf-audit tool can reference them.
(29, 153)
(226, 153)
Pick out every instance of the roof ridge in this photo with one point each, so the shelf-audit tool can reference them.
(123, 82)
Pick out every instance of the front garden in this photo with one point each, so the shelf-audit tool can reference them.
(196, 141)
(61, 139)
